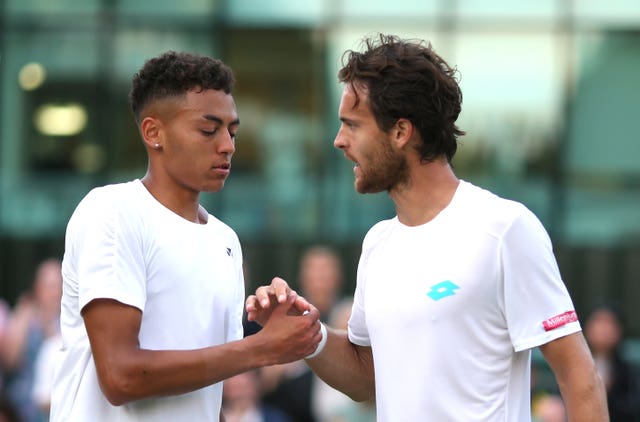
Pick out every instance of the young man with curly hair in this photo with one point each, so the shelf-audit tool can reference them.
(153, 283)
(454, 292)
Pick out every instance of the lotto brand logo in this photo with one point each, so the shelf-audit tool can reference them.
(442, 290)
(559, 320)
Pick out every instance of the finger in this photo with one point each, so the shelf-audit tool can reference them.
(263, 294)
(301, 304)
(251, 307)
(316, 328)
(250, 303)
(251, 316)
(281, 289)
(283, 308)
(313, 313)
(317, 337)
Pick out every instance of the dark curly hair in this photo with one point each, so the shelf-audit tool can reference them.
(407, 79)
(173, 74)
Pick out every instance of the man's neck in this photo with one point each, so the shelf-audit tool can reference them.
(430, 189)
(183, 202)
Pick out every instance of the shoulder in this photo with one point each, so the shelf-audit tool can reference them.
(104, 202)
(378, 232)
(109, 195)
(222, 228)
(497, 215)
(488, 204)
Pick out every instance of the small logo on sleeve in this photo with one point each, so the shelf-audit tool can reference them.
(559, 320)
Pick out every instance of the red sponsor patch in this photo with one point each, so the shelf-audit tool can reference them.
(559, 320)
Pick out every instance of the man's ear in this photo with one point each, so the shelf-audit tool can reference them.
(402, 132)
(151, 132)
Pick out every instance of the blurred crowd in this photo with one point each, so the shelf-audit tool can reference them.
(30, 339)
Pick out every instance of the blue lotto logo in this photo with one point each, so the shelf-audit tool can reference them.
(442, 290)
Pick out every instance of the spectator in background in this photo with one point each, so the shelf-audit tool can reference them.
(34, 319)
(8, 412)
(549, 408)
(320, 278)
(291, 387)
(604, 331)
(242, 401)
(4, 320)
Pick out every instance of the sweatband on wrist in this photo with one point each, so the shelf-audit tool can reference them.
(323, 342)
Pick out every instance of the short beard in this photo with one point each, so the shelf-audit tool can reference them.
(388, 171)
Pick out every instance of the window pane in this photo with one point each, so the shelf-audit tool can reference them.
(277, 11)
(384, 10)
(538, 10)
(51, 7)
(608, 13)
(168, 7)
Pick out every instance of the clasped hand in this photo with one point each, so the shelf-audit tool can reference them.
(286, 318)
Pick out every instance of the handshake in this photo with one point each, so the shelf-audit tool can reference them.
(291, 327)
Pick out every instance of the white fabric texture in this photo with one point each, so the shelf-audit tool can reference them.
(452, 307)
(186, 278)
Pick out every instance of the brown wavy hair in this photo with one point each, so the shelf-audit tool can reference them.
(407, 79)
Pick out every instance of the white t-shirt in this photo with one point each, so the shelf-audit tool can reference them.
(451, 308)
(186, 278)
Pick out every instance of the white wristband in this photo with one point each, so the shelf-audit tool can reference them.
(323, 342)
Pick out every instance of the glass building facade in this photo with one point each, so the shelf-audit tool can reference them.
(551, 109)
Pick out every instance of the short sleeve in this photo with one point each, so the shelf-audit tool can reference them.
(107, 250)
(357, 326)
(538, 307)
(237, 331)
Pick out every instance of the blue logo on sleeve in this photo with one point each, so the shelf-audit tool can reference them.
(442, 290)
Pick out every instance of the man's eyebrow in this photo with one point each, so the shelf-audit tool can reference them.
(347, 120)
(218, 120)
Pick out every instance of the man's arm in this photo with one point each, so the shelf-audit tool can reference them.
(581, 388)
(345, 366)
(126, 372)
(341, 364)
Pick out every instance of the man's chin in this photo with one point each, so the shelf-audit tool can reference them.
(363, 188)
(213, 188)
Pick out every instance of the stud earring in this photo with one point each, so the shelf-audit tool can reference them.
(156, 146)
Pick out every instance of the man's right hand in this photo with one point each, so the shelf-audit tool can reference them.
(288, 334)
(260, 305)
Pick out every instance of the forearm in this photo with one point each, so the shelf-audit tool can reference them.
(585, 397)
(140, 374)
(580, 385)
(345, 366)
